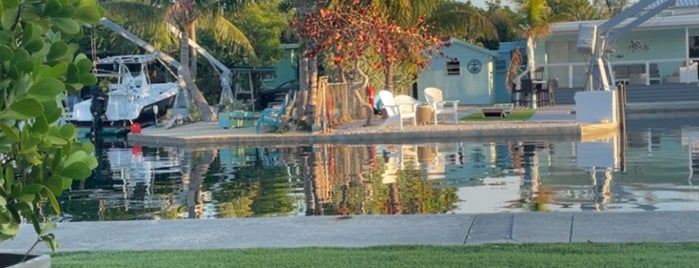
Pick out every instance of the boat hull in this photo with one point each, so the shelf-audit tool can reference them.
(145, 118)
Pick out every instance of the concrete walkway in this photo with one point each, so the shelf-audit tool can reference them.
(555, 123)
(364, 231)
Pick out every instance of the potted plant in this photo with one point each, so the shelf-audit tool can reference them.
(39, 157)
(234, 113)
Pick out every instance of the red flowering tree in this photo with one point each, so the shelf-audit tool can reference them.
(351, 31)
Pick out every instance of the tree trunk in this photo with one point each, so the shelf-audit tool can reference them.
(356, 92)
(531, 63)
(193, 59)
(312, 109)
(388, 76)
(195, 94)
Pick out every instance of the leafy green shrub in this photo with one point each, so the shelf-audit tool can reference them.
(39, 158)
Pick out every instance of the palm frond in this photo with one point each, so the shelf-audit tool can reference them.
(226, 33)
(142, 19)
(463, 21)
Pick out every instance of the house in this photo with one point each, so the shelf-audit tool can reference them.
(286, 69)
(464, 73)
(663, 49)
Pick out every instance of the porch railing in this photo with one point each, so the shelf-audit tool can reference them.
(675, 70)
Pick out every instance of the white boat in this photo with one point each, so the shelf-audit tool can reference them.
(132, 96)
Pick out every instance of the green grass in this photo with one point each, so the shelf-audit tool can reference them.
(493, 255)
(515, 115)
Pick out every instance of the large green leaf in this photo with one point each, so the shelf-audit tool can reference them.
(84, 65)
(29, 144)
(30, 33)
(54, 184)
(77, 170)
(58, 70)
(77, 156)
(33, 188)
(10, 3)
(66, 25)
(69, 132)
(58, 50)
(47, 89)
(11, 133)
(88, 14)
(40, 125)
(6, 53)
(34, 45)
(26, 108)
(8, 17)
(9, 229)
(49, 226)
(52, 111)
(54, 204)
(88, 79)
(53, 7)
(68, 11)
(9, 177)
(91, 162)
(72, 73)
(55, 140)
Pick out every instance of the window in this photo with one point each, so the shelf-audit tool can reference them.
(453, 67)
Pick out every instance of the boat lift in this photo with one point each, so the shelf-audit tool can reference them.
(596, 40)
(223, 71)
(600, 101)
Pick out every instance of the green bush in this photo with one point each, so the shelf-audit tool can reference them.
(40, 158)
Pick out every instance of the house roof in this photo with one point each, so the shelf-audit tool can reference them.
(679, 3)
(673, 18)
(473, 47)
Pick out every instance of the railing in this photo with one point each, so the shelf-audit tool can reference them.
(674, 70)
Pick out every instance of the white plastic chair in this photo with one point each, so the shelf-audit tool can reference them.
(398, 108)
(434, 98)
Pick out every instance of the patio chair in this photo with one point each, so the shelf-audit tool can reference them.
(274, 115)
(526, 89)
(398, 108)
(439, 105)
(546, 96)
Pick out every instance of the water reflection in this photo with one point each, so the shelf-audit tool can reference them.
(650, 169)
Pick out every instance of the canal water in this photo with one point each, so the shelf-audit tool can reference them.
(650, 167)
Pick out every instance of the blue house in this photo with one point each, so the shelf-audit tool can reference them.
(465, 73)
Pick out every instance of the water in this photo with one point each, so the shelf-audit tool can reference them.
(646, 169)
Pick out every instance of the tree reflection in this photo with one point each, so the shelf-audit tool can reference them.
(343, 182)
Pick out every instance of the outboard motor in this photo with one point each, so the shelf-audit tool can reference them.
(98, 107)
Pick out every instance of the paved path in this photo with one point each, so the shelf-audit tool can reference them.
(363, 231)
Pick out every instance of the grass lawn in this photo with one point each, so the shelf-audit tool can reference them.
(492, 255)
(515, 115)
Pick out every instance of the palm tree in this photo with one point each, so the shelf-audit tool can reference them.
(462, 21)
(573, 10)
(536, 26)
